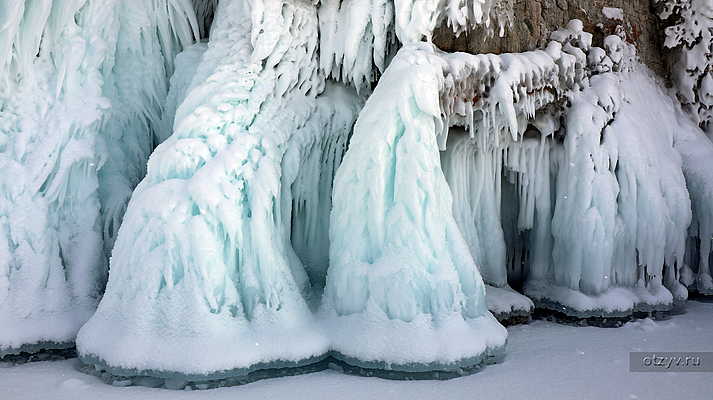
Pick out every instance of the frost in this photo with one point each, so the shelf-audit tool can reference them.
(604, 230)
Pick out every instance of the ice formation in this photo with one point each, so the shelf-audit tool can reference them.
(209, 273)
(691, 35)
(358, 37)
(257, 244)
(597, 193)
(72, 108)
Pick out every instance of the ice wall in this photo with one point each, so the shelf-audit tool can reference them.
(398, 255)
(51, 106)
(205, 282)
(601, 199)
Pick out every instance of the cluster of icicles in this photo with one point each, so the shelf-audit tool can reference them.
(257, 245)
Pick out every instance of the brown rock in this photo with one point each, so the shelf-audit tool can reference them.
(535, 19)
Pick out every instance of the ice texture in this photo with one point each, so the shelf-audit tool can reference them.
(621, 206)
(150, 34)
(69, 94)
(204, 277)
(691, 38)
(358, 37)
(399, 268)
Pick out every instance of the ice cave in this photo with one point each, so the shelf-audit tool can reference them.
(206, 193)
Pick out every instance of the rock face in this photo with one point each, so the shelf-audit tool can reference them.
(535, 19)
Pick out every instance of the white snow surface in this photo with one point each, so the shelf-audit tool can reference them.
(507, 301)
(545, 361)
(613, 13)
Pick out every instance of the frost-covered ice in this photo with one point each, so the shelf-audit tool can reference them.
(567, 171)
(616, 223)
(358, 37)
(621, 215)
(206, 280)
(72, 105)
(691, 38)
(613, 13)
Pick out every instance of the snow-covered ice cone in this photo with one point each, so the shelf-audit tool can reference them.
(204, 284)
(403, 292)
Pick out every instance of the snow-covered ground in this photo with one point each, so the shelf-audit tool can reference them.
(544, 361)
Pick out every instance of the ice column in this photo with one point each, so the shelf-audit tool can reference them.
(403, 292)
(204, 280)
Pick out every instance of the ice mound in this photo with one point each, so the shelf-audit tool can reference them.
(205, 283)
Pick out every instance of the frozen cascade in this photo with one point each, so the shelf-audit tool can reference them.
(696, 152)
(399, 262)
(691, 38)
(606, 233)
(205, 284)
(358, 37)
(64, 71)
(479, 180)
(621, 214)
(150, 35)
(51, 263)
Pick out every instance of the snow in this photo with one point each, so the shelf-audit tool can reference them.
(613, 13)
(577, 361)
(506, 302)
